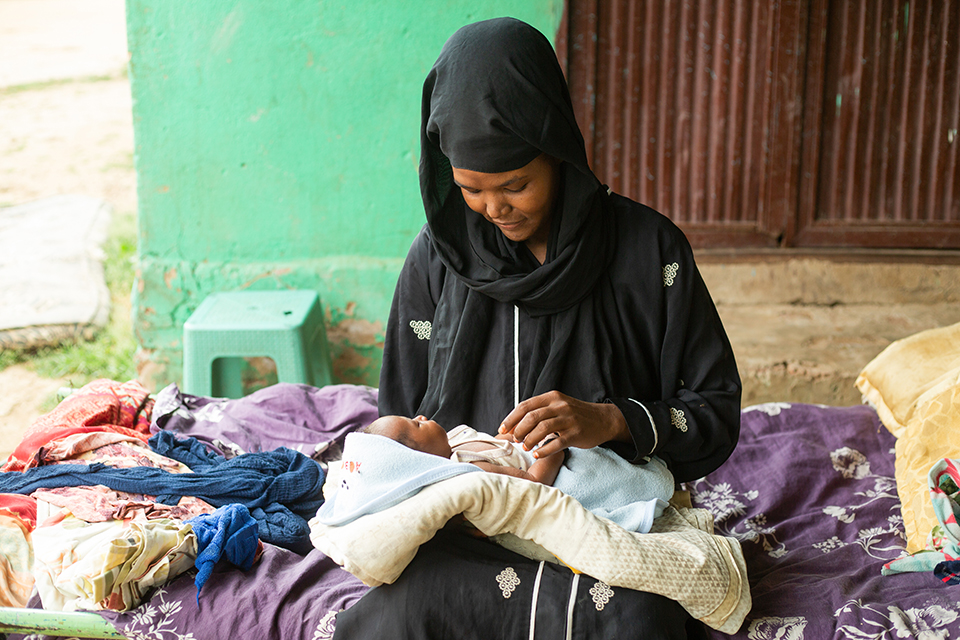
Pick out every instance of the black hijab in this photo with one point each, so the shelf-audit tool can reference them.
(495, 100)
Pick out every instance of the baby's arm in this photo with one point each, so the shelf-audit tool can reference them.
(504, 471)
(543, 471)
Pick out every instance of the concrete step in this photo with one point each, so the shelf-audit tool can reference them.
(803, 327)
(812, 353)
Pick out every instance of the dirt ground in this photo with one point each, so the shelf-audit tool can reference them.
(65, 128)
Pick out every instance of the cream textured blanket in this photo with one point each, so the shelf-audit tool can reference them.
(680, 558)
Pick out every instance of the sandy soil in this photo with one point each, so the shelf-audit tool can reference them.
(23, 395)
(74, 138)
(65, 128)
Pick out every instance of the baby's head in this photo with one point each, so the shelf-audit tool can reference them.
(417, 433)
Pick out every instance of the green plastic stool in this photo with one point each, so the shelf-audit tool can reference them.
(286, 326)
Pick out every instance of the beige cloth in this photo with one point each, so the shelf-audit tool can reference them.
(915, 386)
(16, 560)
(469, 445)
(680, 558)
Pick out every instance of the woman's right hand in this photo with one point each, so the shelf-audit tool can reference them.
(579, 424)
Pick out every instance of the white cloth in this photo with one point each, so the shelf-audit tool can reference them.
(499, 452)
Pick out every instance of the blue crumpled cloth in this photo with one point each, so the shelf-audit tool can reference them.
(229, 531)
(281, 488)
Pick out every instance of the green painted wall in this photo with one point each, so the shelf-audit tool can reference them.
(277, 147)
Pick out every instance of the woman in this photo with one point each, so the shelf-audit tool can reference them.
(536, 302)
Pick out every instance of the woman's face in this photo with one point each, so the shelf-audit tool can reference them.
(520, 203)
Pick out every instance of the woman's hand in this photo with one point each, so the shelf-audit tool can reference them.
(577, 424)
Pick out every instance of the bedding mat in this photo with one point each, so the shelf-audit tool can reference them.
(284, 596)
(297, 416)
(810, 494)
(679, 558)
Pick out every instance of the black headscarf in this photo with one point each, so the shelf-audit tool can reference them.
(495, 100)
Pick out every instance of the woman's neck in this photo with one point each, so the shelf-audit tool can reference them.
(538, 248)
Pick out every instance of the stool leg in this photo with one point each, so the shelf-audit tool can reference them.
(196, 374)
(228, 378)
(297, 372)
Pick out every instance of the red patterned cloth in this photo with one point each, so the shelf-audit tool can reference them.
(102, 405)
(23, 508)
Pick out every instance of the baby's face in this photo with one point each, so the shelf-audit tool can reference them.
(417, 433)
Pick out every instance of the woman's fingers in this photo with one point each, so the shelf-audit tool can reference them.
(519, 412)
(548, 448)
(553, 412)
(577, 423)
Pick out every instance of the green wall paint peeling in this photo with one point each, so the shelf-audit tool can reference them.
(277, 147)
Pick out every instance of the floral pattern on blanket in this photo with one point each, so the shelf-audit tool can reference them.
(154, 619)
(811, 496)
(283, 596)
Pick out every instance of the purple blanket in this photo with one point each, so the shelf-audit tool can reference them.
(283, 596)
(810, 494)
(296, 416)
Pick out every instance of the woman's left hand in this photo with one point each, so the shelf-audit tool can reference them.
(577, 423)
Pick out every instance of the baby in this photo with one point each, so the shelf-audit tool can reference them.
(599, 479)
(494, 454)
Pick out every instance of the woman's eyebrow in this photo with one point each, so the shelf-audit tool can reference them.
(499, 186)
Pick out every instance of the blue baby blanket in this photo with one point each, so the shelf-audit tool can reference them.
(631, 495)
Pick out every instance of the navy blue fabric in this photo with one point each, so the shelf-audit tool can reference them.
(281, 488)
(188, 450)
(948, 572)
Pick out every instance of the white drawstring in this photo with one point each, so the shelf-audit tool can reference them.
(516, 355)
(573, 601)
(533, 605)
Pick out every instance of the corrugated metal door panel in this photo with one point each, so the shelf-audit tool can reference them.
(677, 103)
(881, 167)
(798, 123)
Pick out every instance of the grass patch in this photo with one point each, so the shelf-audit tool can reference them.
(59, 82)
(111, 353)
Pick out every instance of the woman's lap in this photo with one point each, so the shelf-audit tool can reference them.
(462, 588)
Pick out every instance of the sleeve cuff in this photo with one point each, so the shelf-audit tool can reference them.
(643, 431)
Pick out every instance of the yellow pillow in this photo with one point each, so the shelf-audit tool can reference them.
(915, 386)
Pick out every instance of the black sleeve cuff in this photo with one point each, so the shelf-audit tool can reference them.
(643, 431)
